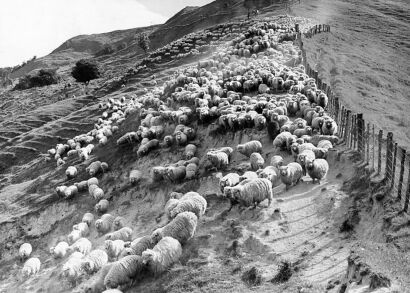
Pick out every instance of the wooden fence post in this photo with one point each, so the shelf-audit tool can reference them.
(353, 137)
(341, 122)
(319, 83)
(368, 143)
(401, 176)
(379, 161)
(346, 126)
(393, 176)
(389, 154)
(360, 134)
(406, 203)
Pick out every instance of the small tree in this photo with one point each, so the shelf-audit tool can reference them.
(85, 70)
(42, 78)
(143, 41)
(249, 4)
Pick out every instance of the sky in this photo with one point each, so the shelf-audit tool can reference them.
(36, 27)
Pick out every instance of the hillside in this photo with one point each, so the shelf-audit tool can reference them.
(214, 80)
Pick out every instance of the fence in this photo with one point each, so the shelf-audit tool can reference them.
(379, 152)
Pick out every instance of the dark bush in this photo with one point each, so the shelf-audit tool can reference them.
(85, 70)
(42, 78)
(284, 273)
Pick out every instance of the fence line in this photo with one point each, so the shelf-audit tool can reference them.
(382, 155)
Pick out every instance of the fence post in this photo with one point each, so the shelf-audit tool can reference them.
(319, 83)
(368, 143)
(379, 162)
(346, 126)
(401, 176)
(394, 165)
(389, 152)
(315, 75)
(406, 203)
(374, 151)
(341, 122)
(353, 133)
(360, 134)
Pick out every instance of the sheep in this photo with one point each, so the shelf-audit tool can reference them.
(231, 179)
(104, 224)
(320, 153)
(114, 247)
(317, 138)
(317, 169)
(118, 223)
(92, 181)
(163, 255)
(72, 268)
(138, 245)
(25, 251)
(218, 159)
(82, 245)
(276, 161)
(94, 261)
(176, 174)
(70, 191)
(253, 191)
(60, 250)
(304, 157)
(303, 131)
(190, 151)
(124, 234)
(253, 146)
(83, 228)
(271, 173)
(144, 149)
(123, 271)
(94, 168)
(71, 172)
(329, 127)
(97, 284)
(248, 175)
(112, 291)
(291, 174)
(128, 138)
(135, 177)
(101, 206)
(74, 236)
(31, 267)
(96, 192)
(326, 144)
(158, 173)
(257, 161)
(168, 140)
(281, 139)
(190, 202)
(182, 228)
(191, 171)
(88, 218)
(81, 186)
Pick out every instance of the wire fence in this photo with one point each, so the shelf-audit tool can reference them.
(378, 150)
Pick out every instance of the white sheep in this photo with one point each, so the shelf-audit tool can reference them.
(281, 139)
(190, 151)
(118, 223)
(291, 174)
(82, 185)
(182, 228)
(88, 218)
(170, 204)
(114, 247)
(175, 173)
(135, 176)
(94, 261)
(74, 236)
(31, 267)
(190, 202)
(82, 245)
(219, 160)
(101, 206)
(70, 191)
(104, 224)
(249, 175)
(25, 251)
(123, 271)
(253, 146)
(191, 171)
(124, 234)
(83, 228)
(92, 181)
(257, 161)
(326, 144)
(112, 291)
(271, 173)
(94, 168)
(329, 127)
(96, 282)
(72, 268)
(71, 172)
(163, 255)
(304, 157)
(60, 250)
(253, 191)
(276, 161)
(317, 169)
(138, 245)
(230, 179)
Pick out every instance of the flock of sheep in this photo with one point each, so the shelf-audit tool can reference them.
(248, 84)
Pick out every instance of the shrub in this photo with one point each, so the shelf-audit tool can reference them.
(85, 70)
(42, 78)
(143, 41)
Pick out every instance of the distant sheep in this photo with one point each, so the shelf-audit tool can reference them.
(326, 144)
(182, 228)
(138, 245)
(83, 228)
(250, 147)
(96, 167)
(317, 169)
(74, 236)
(82, 185)
(253, 191)
(25, 251)
(82, 245)
(144, 149)
(101, 206)
(218, 159)
(72, 268)
(31, 267)
(118, 223)
(271, 173)
(114, 247)
(190, 202)
(124, 234)
(92, 181)
(176, 173)
(276, 161)
(281, 140)
(60, 250)
(291, 174)
(104, 224)
(191, 171)
(88, 218)
(163, 255)
(329, 127)
(158, 173)
(190, 151)
(94, 261)
(97, 284)
(123, 271)
(257, 161)
(135, 176)
(304, 157)
(96, 192)
(71, 172)
(230, 179)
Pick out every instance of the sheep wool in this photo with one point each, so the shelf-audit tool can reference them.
(138, 245)
(191, 171)
(163, 255)
(97, 282)
(82, 185)
(257, 161)
(182, 228)
(25, 250)
(219, 160)
(82, 245)
(83, 228)
(230, 179)
(175, 174)
(329, 127)
(271, 173)
(92, 181)
(135, 176)
(190, 151)
(94, 261)
(101, 206)
(112, 291)
(281, 139)
(96, 192)
(326, 144)
(123, 271)
(304, 157)
(31, 267)
(291, 174)
(249, 175)
(94, 168)
(104, 224)
(276, 161)
(253, 146)
(88, 218)
(118, 223)
(70, 191)
(74, 236)
(72, 268)
(253, 192)
(317, 169)
(124, 234)
(71, 172)
(114, 247)
(60, 250)
(190, 202)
